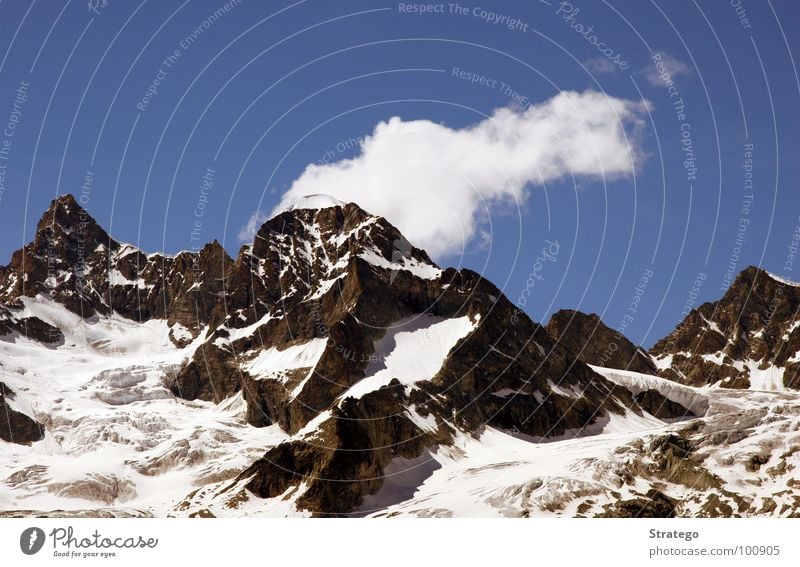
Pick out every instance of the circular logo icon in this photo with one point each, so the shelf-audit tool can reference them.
(31, 541)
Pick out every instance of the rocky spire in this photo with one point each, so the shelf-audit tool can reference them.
(748, 339)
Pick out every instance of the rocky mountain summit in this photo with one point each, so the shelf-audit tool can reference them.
(75, 263)
(748, 339)
(588, 339)
(332, 368)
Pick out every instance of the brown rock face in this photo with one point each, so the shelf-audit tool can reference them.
(750, 337)
(335, 328)
(31, 327)
(588, 339)
(73, 261)
(16, 427)
(342, 276)
(321, 301)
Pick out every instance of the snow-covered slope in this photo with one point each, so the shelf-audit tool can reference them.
(115, 435)
(693, 399)
(739, 460)
(334, 369)
(750, 338)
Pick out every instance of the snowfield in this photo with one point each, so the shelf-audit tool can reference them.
(119, 442)
(412, 350)
(116, 437)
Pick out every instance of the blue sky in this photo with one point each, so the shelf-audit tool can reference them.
(268, 88)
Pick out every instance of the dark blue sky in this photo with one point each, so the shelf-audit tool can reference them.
(267, 88)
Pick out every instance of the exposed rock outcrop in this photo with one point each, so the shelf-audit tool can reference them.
(15, 426)
(748, 339)
(587, 338)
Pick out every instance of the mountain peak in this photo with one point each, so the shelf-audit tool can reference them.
(66, 216)
(746, 339)
(782, 280)
(317, 201)
(590, 340)
(753, 275)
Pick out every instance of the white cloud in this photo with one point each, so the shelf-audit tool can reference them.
(666, 67)
(601, 66)
(437, 184)
(247, 233)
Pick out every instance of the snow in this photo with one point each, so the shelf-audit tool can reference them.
(663, 362)
(630, 423)
(318, 201)
(791, 329)
(181, 333)
(713, 326)
(770, 378)
(108, 413)
(125, 249)
(783, 280)
(102, 397)
(325, 286)
(401, 478)
(236, 334)
(412, 350)
(506, 392)
(427, 423)
(494, 476)
(312, 426)
(572, 391)
(115, 277)
(273, 364)
(716, 358)
(502, 475)
(419, 269)
(694, 399)
(367, 223)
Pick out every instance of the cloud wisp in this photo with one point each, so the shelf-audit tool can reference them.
(437, 184)
(248, 232)
(601, 66)
(666, 67)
